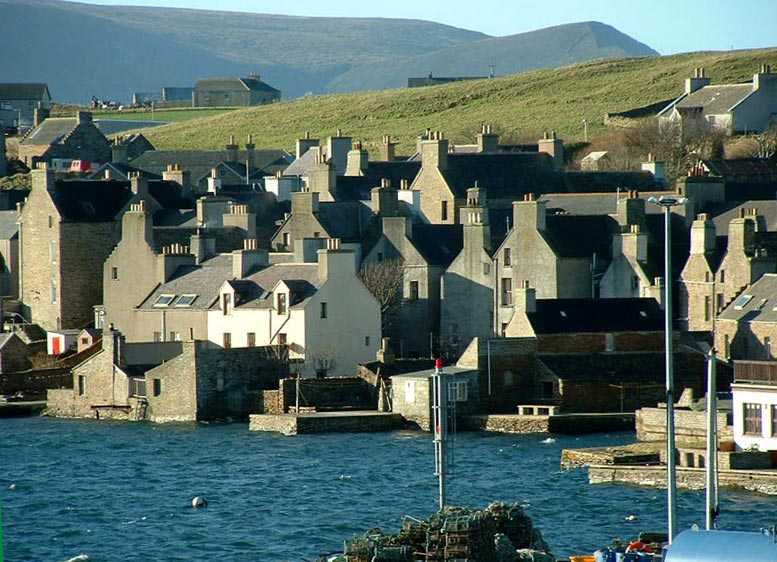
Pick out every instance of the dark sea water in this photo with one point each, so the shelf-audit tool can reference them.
(122, 491)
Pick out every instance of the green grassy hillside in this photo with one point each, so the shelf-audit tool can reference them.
(520, 107)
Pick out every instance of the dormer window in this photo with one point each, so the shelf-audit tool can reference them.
(282, 303)
(226, 303)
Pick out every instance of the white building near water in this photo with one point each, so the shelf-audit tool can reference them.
(754, 393)
(321, 310)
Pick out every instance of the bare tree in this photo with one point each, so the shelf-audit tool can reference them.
(765, 143)
(384, 281)
(323, 361)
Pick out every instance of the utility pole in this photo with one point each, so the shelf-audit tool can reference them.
(440, 427)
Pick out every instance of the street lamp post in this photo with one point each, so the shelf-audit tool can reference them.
(667, 202)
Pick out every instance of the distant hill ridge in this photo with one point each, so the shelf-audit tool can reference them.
(82, 50)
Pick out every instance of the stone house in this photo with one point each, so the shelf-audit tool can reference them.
(313, 303)
(66, 231)
(467, 286)
(154, 247)
(9, 255)
(71, 138)
(14, 354)
(745, 329)
(412, 394)
(554, 252)
(311, 218)
(195, 167)
(237, 92)
(19, 102)
(167, 382)
(424, 252)
(444, 177)
(733, 108)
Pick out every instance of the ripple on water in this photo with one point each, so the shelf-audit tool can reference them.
(109, 488)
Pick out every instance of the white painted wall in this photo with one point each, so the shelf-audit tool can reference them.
(766, 397)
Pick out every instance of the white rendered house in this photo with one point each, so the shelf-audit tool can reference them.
(754, 404)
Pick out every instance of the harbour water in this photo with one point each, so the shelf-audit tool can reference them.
(122, 491)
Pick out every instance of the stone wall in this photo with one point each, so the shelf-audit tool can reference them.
(507, 423)
(690, 426)
(333, 393)
(35, 381)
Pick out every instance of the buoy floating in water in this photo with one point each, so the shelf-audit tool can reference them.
(198, 501)
(548, 441)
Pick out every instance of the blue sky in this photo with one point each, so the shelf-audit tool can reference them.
(668, 26)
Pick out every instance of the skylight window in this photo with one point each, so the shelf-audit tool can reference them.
(164, 300)
(741, 303)
(185, 300)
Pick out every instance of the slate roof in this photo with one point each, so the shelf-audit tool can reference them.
(439, 244)
(637, 367)
(52, 131)
(29, 91)
(304, 164)
(116, 126)
(716, 99)
(567, 316)
(746, 190)
(342, 219)
(8, 226)
(200, 162)
(507, 175)
(231, 84)
(722, 213)
(205, 280)
(760, 307)
(610, 181)
(741, 167)
(579, 236)
(90, 201)
(123, 169)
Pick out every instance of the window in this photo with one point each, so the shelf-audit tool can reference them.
(380, 256)
(114, 273)
(409, 392)
(741, 303)
(175, 336)
(752, 419)
(634, 282)
(722, 276)
(51, 221)
(84, 341)
(158, 337)
(457, 391)
(251, 338)
(507, 291)
(504, 329)
(768, 347)
(157, 387)
(227, 340)
(707, 307)
(281, 339)
(444, 210)
(226, 302)
(81, 385)
(323, 310)
(53, 292)
(486, 268)
(726, 347)
(287, 239)
(281, 302)
(413, 292)
(366, 341)
(774, 420)
(53, 252)
(609, 341)
(316, 235)
(185, 300)
(719, 303)
(507, 257)
(164, 300)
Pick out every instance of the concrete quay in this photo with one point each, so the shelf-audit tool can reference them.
(635, 453)
(22, 409)
(654, 476)
(573, 424)
(359, 421)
